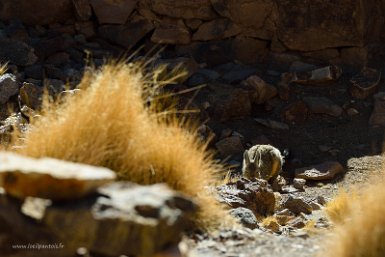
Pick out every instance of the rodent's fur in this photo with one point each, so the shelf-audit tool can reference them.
(262, 161)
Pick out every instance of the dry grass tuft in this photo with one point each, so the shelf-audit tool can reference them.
(114, 121)
(362, 234)
(3, 68)
(339, 208)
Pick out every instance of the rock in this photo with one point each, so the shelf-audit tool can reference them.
(35, 207)
(365, 83)
(271, 224)
(49, 46)
(272, 124)
(297, 222)
(245, 216)
(299, 183)
(258, 15)
(249, 50)
(297, 205)
(8, 87)
(31, 95)
(193, 23)
(230, 146)
(278, 183)
(352, 112)
(323, 171)
(85, 28)
(377, 118)
(315, 206)
(317, 76)
(229, 102)
(113, 12)
(186, 9)
(323, 105)
(216, 30)
(16, 52)
(23, 176)
(126, 35)
(255, 195)
(12, 122)
(261, 91)
(203, 76)
(126, 220)
(172, 32)
(234, 73)
(83, 9)
(321, 30)
(296, 112)
(299, 66)
(36, 12)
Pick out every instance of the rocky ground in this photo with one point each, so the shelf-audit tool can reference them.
(325, 122)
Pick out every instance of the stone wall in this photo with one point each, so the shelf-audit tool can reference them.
(269, 32)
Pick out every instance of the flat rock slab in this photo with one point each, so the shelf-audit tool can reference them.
(48, 178)
(323, 171)
(323, 105)
(124, 219)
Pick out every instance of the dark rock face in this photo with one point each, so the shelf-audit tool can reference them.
(35, 12)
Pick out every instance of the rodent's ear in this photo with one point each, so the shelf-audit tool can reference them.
(246, 157)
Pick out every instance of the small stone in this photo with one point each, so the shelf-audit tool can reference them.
(297, 222)
(113, 12)
(297, 205)
(365, 83)
(299, 183)
(317, 76)
(35, 207)
(23, 176)
(352, 112)
(226, 132)
(8, 87)
(230, 146)
(272, 124)
(323, 171)
(261, 91)
(323, 105)
(299, 233)
(315, 206)
(245, 216)
(324, 148)
(58, 58)
(278, 183)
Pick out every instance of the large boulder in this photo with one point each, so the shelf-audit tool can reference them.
(313, 25)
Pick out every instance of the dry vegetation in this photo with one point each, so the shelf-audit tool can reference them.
(361, 232)
(114, 121)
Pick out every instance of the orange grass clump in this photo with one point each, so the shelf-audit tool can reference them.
(362, 232)
(111, 121)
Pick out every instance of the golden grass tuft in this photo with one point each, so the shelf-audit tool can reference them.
(362, 234)
(340, 206)
(112, 122)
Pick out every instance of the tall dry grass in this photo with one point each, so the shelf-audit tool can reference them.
(361, 232)
(114, 121)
